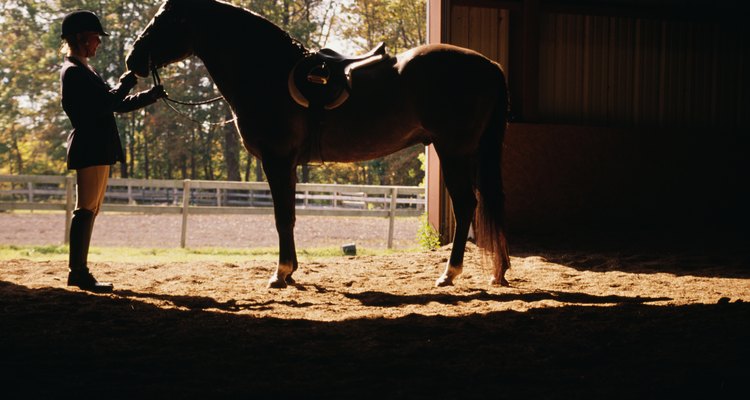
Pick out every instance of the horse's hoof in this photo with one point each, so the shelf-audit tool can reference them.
(501, 282)
(289, 280)
(444, 281)
(451, 272)
(276, 283)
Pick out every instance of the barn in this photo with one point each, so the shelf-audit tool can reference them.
(625, 115)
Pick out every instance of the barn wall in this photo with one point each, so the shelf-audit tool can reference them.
(629, 71)
(486, 31)
(482, 29)
(561, 178)
(656, 112)
(622, 118)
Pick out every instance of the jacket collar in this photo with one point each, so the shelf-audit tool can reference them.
(76, 61)
(90, 69)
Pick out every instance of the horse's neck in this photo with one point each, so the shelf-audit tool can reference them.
(257, 64)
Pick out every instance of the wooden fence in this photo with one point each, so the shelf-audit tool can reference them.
(151, 196)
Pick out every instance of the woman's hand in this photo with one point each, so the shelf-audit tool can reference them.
(128, 79)
(157, 92)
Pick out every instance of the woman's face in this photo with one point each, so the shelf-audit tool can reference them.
(91, 42)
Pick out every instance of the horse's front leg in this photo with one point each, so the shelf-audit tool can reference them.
(282, 179)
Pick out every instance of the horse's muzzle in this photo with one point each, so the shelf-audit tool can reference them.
(138, 62)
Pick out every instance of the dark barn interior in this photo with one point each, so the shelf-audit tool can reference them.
(625, 115)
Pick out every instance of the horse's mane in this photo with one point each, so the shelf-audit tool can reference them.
(240, 19)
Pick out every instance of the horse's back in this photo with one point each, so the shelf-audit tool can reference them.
(441, 50)
(453, 88)
(445, 67)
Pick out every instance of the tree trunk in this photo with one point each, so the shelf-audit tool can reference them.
(193, 172)
(206, 150)
(286, 17)
(231, 150)
(183, 165)
(248, 164)
(258, 171)
(19, 158)
(131, 146)
(146, 171)
(305, 173)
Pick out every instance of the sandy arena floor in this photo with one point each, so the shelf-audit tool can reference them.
(613, 321)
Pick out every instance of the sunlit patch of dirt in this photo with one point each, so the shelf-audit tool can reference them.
(572, 324)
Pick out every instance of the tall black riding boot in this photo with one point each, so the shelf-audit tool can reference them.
(80, 237)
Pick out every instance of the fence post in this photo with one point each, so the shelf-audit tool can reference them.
(30, 188)
(392, 216)
(69, 204)
(185, 205)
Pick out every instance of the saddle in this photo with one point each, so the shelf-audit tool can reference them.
(323, 80)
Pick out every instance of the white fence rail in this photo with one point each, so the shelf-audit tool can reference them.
(147, 196)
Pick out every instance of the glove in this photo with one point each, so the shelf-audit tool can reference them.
(157, 92)
(128, 79)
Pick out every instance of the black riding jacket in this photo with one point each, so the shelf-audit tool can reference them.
(90, 104)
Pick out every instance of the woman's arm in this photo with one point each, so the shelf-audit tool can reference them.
(83, 97)
(141, 99)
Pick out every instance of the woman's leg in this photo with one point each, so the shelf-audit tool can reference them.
(91, 186)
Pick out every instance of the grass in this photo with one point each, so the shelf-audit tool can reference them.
(137, 254)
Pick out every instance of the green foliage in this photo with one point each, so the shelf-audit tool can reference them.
(427, 237)
(32, 251)
(158, 144)
(422, 157)
(401, 24)
(400, 168)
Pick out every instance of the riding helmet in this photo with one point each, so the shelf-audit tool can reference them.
(81, 21)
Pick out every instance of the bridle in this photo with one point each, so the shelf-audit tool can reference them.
(157, 82)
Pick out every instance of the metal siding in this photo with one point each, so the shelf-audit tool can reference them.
(482, 29)
(594, 72)
(485, 30)
(641, 72)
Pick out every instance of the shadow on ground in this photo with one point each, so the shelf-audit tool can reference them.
(709, 254)
(56, 343)
(380, 299)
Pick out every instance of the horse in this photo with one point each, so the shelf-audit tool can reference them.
(451, 97)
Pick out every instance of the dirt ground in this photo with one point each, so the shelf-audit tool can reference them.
(232, 231)
(581, 319)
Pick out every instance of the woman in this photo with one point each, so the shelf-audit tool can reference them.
(94, 143)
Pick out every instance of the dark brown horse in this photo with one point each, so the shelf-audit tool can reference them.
(453, 98)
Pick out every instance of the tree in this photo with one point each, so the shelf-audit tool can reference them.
(28, 74)
(401, 24)
(157, 142)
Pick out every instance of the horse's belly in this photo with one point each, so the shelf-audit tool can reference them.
(368, 140)
(370, 127)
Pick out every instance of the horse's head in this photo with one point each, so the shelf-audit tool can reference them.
(165, 40)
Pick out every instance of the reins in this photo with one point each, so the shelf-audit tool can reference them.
(157, 82)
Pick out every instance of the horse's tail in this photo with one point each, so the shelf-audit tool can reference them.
(490, 218)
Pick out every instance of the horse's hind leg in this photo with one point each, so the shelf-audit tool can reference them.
(282, 181)
(458, 174)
